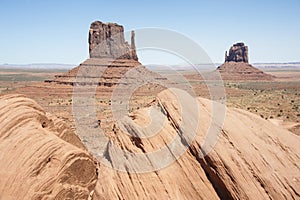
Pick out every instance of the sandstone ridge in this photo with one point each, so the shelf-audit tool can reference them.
(40, 157)
(252, 158)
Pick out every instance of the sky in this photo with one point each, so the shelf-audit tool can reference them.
(56, 31)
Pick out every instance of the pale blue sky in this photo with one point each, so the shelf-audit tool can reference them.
(56, 31)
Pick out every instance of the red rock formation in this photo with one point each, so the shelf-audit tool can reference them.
(107, 41)
(133, 48)
(237, 53)
(236, 66)
(39, 158)
(252, 159)
(111, 57)
(103, 72)
(242, 71)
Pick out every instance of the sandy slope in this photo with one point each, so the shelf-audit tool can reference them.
(35, 162)
(252, 159)
(242, 71)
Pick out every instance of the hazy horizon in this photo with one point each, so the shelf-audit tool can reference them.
(155, 67)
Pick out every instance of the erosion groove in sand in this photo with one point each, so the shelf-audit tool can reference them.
(35, 162)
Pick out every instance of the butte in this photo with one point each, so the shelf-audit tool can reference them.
(237, 67)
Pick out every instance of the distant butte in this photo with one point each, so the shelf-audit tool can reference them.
(237, 67)
(237, 53)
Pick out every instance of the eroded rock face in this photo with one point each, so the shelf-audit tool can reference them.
(107, 41)
(39, 157)
(237, 53)
(111, 57)
(252, 159)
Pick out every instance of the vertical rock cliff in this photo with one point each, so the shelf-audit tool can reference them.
(237, 53)
(107, 41)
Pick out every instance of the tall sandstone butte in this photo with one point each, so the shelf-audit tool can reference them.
(106, 40)
(237, 67)
(237, 53)
(111, 57)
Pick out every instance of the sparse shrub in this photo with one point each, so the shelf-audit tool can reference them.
(281, 111)
(287, 117)
(292, 101)
(278, 115)
(261, 116)
(271, 117)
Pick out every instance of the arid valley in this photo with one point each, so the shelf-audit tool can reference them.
(158, 112)
(256, 143)
(276, 100)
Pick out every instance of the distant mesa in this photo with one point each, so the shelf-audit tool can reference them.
(106, 40)
(237, 67)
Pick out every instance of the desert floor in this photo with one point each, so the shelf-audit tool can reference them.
(277, 101)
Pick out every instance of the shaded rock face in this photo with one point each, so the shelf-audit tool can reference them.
(237, 53)
(107, 41)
